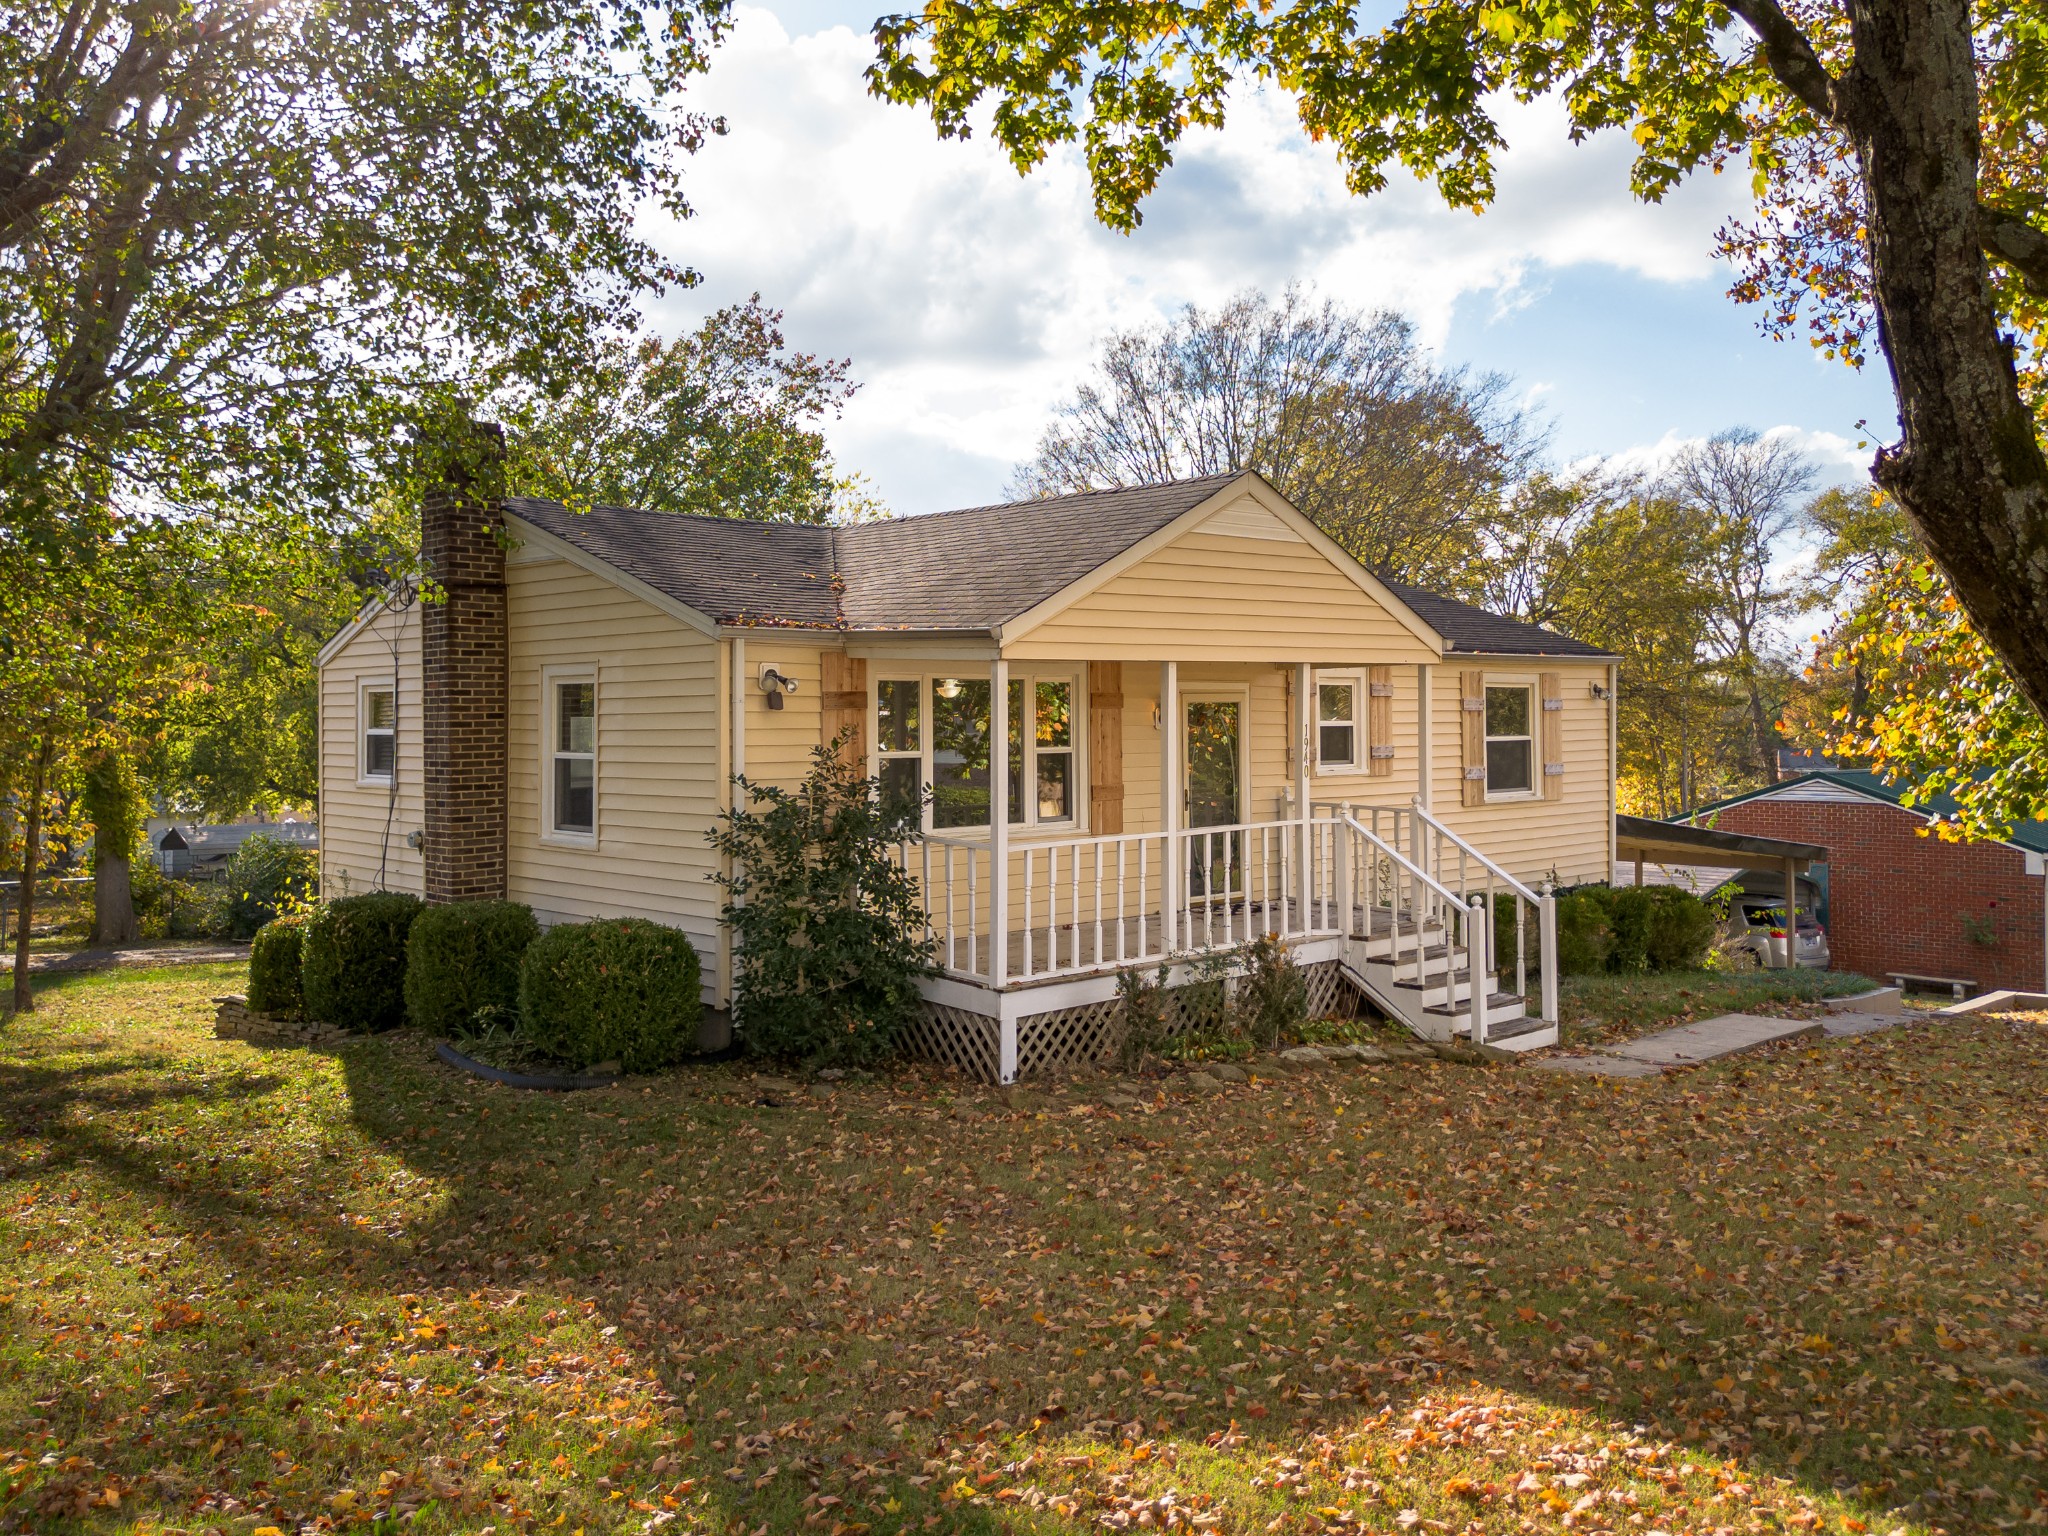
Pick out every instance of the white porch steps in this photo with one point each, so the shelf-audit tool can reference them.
(1436, 1005)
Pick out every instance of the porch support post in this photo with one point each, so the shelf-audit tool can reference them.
(1791, 915)
(999, 827)
(1304, 713)
(1169, 805)
(1424, 718)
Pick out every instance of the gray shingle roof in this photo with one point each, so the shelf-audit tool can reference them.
(983, 566)
(735, 571)
(1477, 632)
(973, 569)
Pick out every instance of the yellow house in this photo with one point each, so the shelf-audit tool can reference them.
(1218, 726)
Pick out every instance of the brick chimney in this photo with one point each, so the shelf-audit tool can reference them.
(463, 661)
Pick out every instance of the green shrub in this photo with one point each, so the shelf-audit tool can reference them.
(620, 989)
(1682, 929)
(265, 879)
(462, 964)
(1585, 937)
(274, 964)
(829, 933)
(354, 963)
(1628, 915)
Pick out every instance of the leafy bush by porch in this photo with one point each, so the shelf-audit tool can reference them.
(274, 962)
(620, 989)
(354, 963)
(828, 930)
(462, 961)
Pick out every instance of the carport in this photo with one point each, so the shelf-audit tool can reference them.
(1640, 840)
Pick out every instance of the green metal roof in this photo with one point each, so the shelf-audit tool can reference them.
(2030, 835)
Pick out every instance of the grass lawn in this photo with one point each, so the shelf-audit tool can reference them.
(1606, 1010)
(245, 1288)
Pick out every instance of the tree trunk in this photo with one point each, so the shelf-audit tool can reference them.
(31, 852)
(113, 901)
(1968, 469)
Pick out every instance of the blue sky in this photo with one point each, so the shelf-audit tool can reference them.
(970, 300)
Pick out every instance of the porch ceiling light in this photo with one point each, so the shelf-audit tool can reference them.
(947, 688)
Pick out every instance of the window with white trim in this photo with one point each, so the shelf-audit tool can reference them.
(899, 739)
(1337, 724)
(1510, 739)
(572, 756)
(935, 730)
(378, 711)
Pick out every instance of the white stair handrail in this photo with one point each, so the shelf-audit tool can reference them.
(1545, 904)
(1486, 863)
(1475, 991)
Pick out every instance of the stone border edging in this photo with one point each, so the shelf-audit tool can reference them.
(546, 1081)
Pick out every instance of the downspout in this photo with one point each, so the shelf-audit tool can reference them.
(1614, 767)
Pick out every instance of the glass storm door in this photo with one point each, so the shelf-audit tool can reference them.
(1213, 752)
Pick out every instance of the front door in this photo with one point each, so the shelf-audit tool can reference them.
(1212, 747)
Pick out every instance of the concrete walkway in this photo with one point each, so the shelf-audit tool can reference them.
(1730, 1035)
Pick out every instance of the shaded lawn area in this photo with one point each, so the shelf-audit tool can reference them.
(245, 1288)
(1606, 1010)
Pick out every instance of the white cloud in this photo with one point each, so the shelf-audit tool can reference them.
(970, 300)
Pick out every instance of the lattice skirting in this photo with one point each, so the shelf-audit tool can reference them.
(1086, 1034)
(1330, 995)
(953, 1037)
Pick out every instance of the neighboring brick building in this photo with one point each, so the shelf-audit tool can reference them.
(1898, 901)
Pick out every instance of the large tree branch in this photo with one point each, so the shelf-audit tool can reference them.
(2011, 239)
(1791, 57)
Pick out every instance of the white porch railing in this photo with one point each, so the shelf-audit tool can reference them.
(1082, 905)
(1422, 920)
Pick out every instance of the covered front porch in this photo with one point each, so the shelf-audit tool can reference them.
(1224, 804)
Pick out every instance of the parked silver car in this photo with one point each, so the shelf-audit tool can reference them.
(1754, 936)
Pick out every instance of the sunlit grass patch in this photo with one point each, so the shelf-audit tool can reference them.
(350, 1289)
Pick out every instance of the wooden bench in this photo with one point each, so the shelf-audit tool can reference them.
(1958, 988)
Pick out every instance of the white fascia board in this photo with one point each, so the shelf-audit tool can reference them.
(922, 645)
(562, 549)
(1255, 486)
(352, 628)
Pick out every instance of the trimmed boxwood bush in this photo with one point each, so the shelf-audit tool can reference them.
(620, 989)
(1606, 930)
(462, 961)
(353, 969)
(274, 960)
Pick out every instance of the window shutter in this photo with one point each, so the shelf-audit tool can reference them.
(1105, 748)
(843, 705)
(1472, 732)
(1550, 735)
(1379, 722)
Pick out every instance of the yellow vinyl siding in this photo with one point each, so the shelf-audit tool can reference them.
(1568, 836)
(1213, 597)
(658, 778)
(358, 828)
(780, 741)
